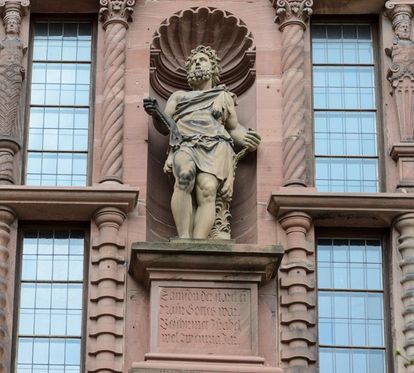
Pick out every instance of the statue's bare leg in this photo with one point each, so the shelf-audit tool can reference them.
(181, 202)
(206, 191)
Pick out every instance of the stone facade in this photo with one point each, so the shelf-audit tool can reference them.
(265, 48)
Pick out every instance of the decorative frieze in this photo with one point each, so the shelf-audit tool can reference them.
(401, 71)
(405, 226)
(115, 15)
(292, 17)
(7, 217)
(297, 296)
(107, 294)
(11, 78)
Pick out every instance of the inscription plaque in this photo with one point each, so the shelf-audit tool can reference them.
(204, 320)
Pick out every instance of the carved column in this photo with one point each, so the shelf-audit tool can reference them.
(11, 78)
(115, 15)
(401, 77)
(106, 311)
(297, 296)
(292, 16)
(7, 217)
(405, 226)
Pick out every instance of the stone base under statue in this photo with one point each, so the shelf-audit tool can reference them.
(203, 304)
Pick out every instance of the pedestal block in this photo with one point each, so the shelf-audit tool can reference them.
(203, 304)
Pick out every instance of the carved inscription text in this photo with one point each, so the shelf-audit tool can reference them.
(204, 320)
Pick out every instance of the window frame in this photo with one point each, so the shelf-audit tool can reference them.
(61, 18)
(44, 226)
(384, 236)
(373, 21)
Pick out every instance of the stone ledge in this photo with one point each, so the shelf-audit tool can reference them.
(201, 256)
(336, 209)
(66, 203)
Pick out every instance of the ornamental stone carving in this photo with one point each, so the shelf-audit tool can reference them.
(292, 17)
(219, 29)
(401, 72)
(115, 15)
(11, 74)
(292, 12)
(405, 226)
(7, 217)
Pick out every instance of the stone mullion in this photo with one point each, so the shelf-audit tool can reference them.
(405, 226)
(11, 79)
(298, 296)
(115, 17)
(7, 217)
(107, 298)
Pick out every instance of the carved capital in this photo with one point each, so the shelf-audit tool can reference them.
(116, 11)
(293, 12)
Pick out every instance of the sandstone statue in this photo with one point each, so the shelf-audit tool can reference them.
(203, 129)
(401, 72)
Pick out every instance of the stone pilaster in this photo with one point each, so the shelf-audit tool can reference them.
(405, 226)
(292, 17)
(7, 217)
(11, 78)
(115, 15)
(297, 296)
(107, 294)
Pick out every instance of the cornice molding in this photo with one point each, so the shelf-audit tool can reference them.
(334, 209)
(66, 203)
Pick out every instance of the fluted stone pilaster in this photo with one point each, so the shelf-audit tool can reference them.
(292, 17)
(115, 15)
(405, 226)
(11, 78)
(298, 296)
(107, 294)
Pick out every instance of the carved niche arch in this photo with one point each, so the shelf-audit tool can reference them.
(171, 45)
(185, 30)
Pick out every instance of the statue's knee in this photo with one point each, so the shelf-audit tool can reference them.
(185, 180)
(208, 190)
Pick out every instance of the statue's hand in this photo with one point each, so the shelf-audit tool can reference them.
(168, 165)
(150, 105)
(251, 140)
(226, 190)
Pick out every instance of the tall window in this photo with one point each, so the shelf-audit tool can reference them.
(344, 108)
(350, 306)
(59, 104)
(50, 314)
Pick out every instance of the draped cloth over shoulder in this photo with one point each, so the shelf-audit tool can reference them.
(201, 134)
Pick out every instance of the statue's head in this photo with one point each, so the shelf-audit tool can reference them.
(12, 23)
(401, 22)
(203, 64)
(403, 29)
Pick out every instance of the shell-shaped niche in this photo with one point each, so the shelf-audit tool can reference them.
(185, 30)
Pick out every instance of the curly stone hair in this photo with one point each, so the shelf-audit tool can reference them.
(214, 59)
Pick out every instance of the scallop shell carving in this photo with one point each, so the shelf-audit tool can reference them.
(185, 30)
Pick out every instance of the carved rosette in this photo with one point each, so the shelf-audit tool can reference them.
(184, 31)
(115, 15)
(292, 17)
(107, 294)
(401, 71)
(11, 78)
(298, 296)
(7, 217)
(405, 226)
